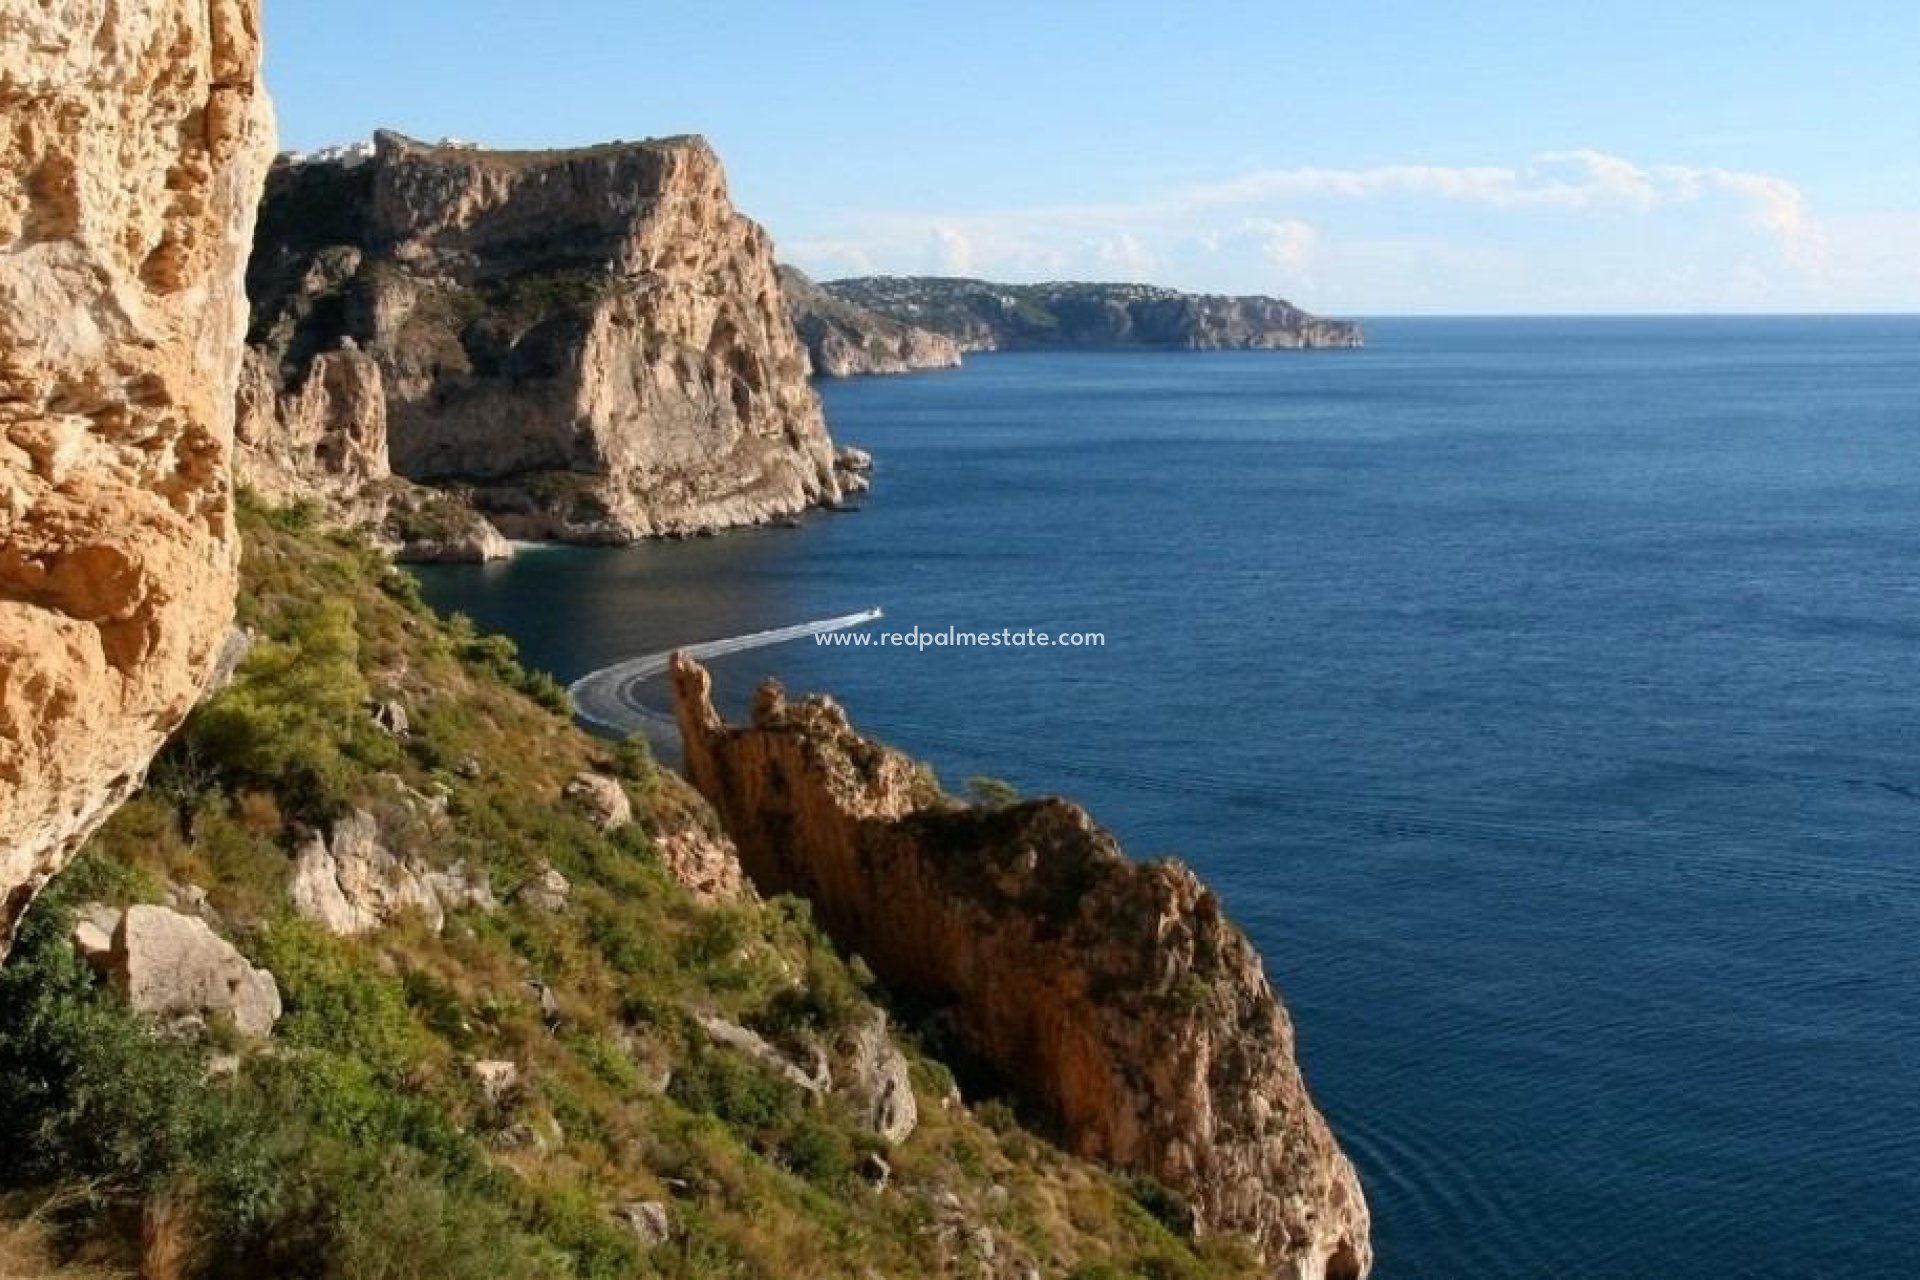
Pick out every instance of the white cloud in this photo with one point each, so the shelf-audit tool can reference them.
(1285, 242)
(1124, 253)
(1561, 230)
(952, 252)
(825, 259)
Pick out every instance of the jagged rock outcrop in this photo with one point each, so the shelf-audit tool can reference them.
(982, 316)
(703, 861)
(1113, 994)
(130, 166)
(350, 882)
(587, 345)
(844, 340)
(861, 1065)
(324, 439)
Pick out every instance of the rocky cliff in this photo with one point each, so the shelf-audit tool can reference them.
(1112, 994)
(844, 340)
(130, 167)
(982, 316)
(589, 345)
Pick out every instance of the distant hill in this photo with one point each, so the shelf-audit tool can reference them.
(843, 339)
(983, 316)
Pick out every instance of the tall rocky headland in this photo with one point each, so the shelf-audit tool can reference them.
(1113, 995)
(587, 345)
(981, 315)
(130, 167)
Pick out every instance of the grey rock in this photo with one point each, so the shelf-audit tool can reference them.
(391, 716)
(175, 968)
(649, 1221)
(814, 1078)
(351, 883)
(93, 928)
(874, 1170)
(499, 1081)
(546, 890)
(603, 798)
(872, 1075)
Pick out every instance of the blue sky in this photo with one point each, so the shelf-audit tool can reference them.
(1361, 158)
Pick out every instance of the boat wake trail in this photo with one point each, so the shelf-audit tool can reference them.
(610, 697)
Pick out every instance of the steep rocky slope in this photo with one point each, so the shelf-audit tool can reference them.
(844, 340)
(983, 316)
(391, 971)
(1112, 994)
(136, 137)
(591, 344)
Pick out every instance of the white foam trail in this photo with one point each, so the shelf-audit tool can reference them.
(610, 697)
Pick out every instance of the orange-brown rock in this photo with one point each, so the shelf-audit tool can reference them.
(135, 140)
(1113, 994)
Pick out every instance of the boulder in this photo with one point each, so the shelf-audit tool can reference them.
(649, 1221)
(499, 1081)
(545, 890)
(175, 968)
(93, 928)
(704, 861)
(814, 1077)
(871, 1073)
(603, 799)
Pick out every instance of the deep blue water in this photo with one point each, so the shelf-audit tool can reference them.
(1541, 696)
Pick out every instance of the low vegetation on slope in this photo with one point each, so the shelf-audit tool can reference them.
(379, 1131)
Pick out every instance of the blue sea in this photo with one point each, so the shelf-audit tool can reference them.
(1542, 696)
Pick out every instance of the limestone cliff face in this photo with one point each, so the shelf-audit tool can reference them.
(592, 345)
(983, 316)
(130, 168)
(845, 341)
(1113, 993)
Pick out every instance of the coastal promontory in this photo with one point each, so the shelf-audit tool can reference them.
(584, 345)
(980, 315)
(1113, 996)
(845, 340)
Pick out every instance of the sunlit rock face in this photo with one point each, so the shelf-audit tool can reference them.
(588, 345)
(1113, 994)
(136, 138)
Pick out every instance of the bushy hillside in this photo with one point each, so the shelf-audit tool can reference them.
(587, 1070)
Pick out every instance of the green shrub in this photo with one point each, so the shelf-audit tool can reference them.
(819, 1152)
(740, 1093)
(992, 793)
(339, 1001)
(294, 719)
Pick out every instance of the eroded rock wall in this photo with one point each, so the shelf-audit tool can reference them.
(1112, 993)
(130, 166)
(589, 344)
